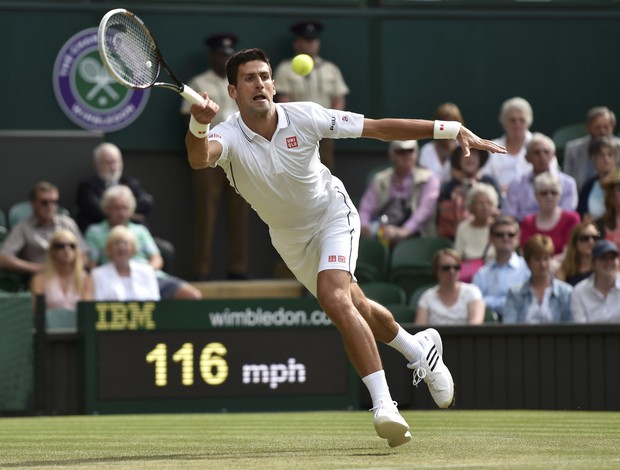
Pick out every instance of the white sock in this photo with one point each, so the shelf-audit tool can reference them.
(407, 345)
(378, 388)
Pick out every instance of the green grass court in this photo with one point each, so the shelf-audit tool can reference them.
(313, 440)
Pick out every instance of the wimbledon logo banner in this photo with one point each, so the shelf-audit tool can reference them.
(85, 91)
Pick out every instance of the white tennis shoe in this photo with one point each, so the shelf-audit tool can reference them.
(390, 425)
(432, 370)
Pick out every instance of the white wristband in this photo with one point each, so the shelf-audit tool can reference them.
(199, 130)
(446, 129)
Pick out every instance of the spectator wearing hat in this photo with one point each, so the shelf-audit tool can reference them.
(596, 299)
(324, 85)
(401, 199)
(211, 184)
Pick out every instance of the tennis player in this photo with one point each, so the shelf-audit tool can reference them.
(270, 155)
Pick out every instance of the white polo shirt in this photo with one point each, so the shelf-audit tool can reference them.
(284, 179)
(590, 306)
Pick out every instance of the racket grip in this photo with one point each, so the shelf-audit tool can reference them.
(191, 96)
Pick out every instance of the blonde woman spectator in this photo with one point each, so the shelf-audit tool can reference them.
(577, 262)
(123, 278)
(472, 234)
(64, 282)
(451, 302)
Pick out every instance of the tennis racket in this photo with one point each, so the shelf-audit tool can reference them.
(131, 56)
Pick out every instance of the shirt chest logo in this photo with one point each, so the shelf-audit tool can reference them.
(291, 142)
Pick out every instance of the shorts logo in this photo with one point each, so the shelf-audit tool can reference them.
(85, 91)
(291, 142)
(334, 258)
(345, 118)
(341, 259)
(331, 258)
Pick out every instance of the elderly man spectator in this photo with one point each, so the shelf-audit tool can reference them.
(401, 199)
(521, 197)
(508, 269)
(25, 248)
(600, 122)
(596, 299)
(108, 161)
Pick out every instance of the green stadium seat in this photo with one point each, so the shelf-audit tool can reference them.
(384, 292)
(372, 261)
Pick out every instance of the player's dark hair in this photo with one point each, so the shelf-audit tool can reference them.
(240, 58)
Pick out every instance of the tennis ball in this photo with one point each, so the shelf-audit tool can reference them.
(302, 64)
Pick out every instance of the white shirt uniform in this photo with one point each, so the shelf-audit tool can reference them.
(313, 223)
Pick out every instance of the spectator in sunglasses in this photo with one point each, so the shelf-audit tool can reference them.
(450, 302)
(64, 282)
(507, 269)
(25, 248)
(577, 262)
(541, 299)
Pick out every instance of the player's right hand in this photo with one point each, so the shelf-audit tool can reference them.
(205, 112)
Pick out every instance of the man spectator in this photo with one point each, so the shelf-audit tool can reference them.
(508, 269)
(108, 161)
(600, 122)
(324, 85)
(401, 199)
(25, 248)
(596, 299)
(210, 184)
(521, 197)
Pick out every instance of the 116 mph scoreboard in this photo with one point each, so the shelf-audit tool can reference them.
(212, 355)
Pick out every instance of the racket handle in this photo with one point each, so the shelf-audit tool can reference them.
(191, 96)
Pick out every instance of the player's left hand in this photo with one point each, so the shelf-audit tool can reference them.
(467, 139)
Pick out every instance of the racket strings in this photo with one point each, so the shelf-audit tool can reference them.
(131, 52)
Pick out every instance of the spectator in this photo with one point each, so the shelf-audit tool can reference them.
(596, 299)
(603, 153)
(452, 208)
(64, 282)
(550, 219)
(324, 85)
(25, 248)
(435, 155)
(118, 204)
(521, 199)
(472, 234)
(108, 161)
(508, 269)
(609, 224)
(600, 122)
(122, 277)
(404, 194)
(210, 185)
(577, 262)
(451, 302)
(542, 299)
(516, 117)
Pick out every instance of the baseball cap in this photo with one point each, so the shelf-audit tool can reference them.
(403, 144)
(602, 247)
(309, 29)
(222, 43)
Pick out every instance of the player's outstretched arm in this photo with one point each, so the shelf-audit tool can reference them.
(200, 152)
(407, 129)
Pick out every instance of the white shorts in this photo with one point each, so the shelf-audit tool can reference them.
(331, 243)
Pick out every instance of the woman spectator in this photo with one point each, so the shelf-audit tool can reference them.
(64, 282)
(542, 299)
(451, 302)
(123, 278)
(550, 219)
(603, 153)
(472, 234)
(577, 262)
(609, 224)
(516, 117)
(451, 204)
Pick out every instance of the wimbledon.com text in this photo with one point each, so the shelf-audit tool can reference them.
(260, 317)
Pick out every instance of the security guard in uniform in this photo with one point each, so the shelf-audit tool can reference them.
(210, 184)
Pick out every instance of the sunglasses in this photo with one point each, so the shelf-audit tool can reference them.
(504, 234)
(62, 246)
(586, 238)
(450, 267)
(546, 192)
(47, 202)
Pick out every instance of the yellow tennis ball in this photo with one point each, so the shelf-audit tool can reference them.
(302, 64)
